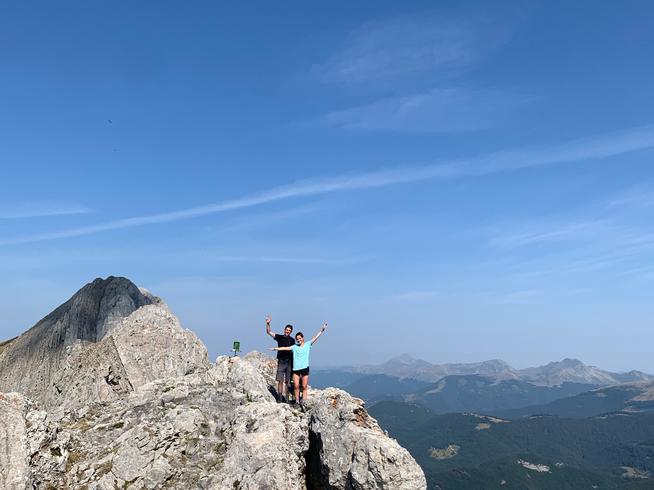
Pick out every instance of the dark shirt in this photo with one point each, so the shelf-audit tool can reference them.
(284, 341)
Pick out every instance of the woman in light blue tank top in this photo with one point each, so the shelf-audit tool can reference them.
(301, 351)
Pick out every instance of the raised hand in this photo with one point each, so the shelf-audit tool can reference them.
(324, 327)
(268, 318)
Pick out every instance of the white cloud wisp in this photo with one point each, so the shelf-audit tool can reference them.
(37, 209)
(598, 147)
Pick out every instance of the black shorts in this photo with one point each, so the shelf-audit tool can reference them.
(302, 372)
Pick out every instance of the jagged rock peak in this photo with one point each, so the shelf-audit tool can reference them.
(106, 339)
(92, 311)
(570, 362)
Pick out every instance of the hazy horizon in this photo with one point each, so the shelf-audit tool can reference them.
(457, 181)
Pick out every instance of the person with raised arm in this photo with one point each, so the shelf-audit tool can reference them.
(284, 359)
(301, 351)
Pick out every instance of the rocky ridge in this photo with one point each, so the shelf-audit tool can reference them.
(130, 401)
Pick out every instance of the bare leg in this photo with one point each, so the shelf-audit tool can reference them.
(305, 388)
(280, 388)
(296, 383)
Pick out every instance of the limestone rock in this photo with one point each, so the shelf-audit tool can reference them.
(352, 452)
(241, 377)
(14, 467)
(266, 445)
(178, 432)
(152, 345)
(90, 372)
(266, 365)
(30, 362)
(125, 397)
(137, 340)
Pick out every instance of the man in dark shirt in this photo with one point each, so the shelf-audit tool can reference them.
(284, 359)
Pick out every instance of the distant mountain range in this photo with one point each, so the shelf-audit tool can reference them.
(552, 374)
(486, 387)
(564, 425)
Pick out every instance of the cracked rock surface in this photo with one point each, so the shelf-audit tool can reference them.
(141, 407)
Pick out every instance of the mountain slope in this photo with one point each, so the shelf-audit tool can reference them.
(629, 398)
(464, 450)
(481, 394)
(29, 362)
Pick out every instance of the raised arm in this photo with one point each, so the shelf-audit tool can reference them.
(320, 332)
(281, 348)
(268, 330)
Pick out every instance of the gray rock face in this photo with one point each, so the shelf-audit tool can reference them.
(180, 432)
(242, 378)
(351, 451)
(30, 363)
(14, 468)
(138, 340)
(152, 345)
(142, 408)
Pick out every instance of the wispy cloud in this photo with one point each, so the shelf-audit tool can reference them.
(598, 147)
(34, 209)
(437, 110)
(393, 48)
(549, 232)
(515, 297)
(526, 296)
(268, 219)
(422, 295)
(274, 259)
(410, 57)
(580, 249)
(640, 197)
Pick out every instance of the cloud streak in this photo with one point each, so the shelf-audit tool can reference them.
(275, 259)
(36, 209)
(598, 147)
(636, 198)
(549, 233)
(421, 295)
(411, 45)
(437, 110)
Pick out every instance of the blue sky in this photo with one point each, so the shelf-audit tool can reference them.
(455, 180)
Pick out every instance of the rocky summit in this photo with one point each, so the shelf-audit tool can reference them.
(109, 391)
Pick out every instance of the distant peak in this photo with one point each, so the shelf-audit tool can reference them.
(497, 362)
(571, 362)
(404, 358)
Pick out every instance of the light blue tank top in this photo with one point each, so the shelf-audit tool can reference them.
(301, 356)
